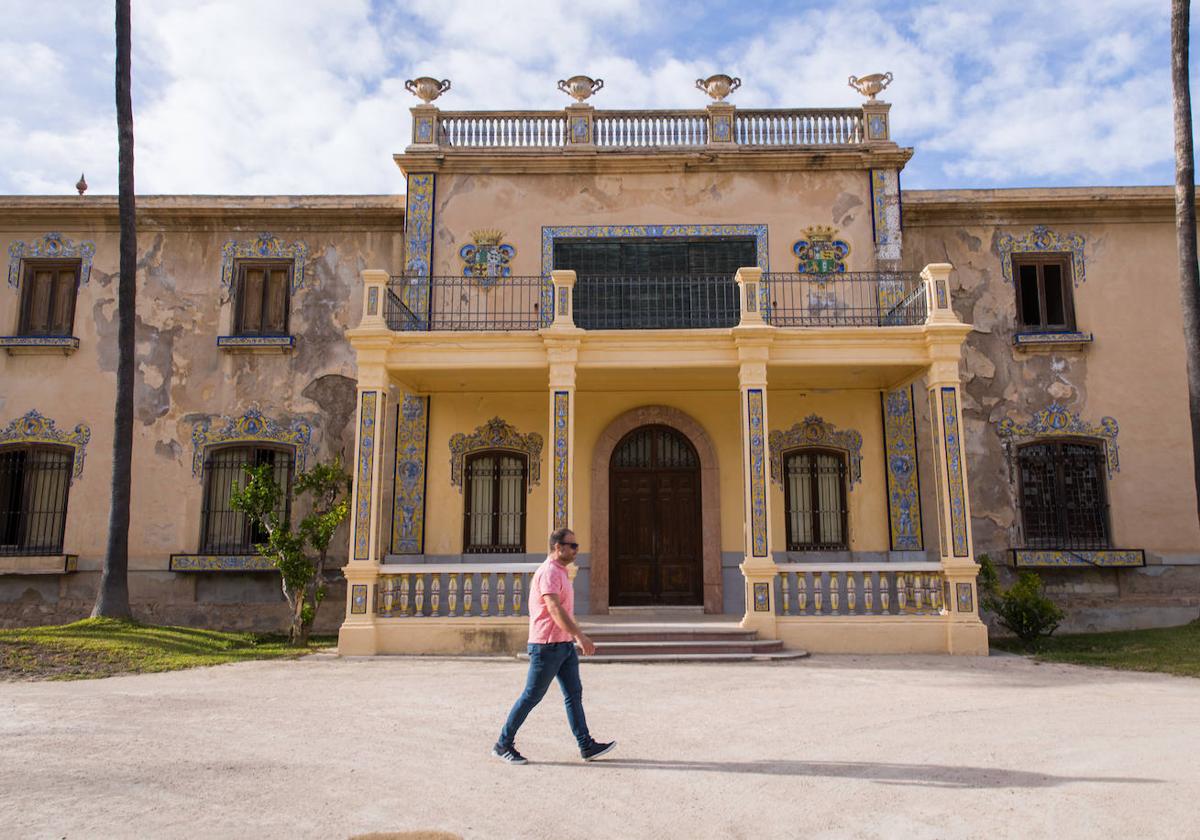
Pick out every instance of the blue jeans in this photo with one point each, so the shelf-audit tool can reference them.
(557, 659)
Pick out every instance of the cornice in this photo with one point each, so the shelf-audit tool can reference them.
(1023, 206)
(541, 162)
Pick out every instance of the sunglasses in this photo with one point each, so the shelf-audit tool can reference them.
(574, 546)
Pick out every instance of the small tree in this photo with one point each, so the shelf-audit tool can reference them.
(1023, 608)
(303, 586)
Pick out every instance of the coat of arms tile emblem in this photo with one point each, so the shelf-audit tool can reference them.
(820, 252)
(487, 257)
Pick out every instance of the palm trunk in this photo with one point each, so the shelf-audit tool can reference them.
(113, 598)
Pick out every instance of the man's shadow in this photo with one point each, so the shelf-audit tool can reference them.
(929, 775)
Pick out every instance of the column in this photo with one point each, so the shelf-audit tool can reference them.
(944, 336)
(357, 635)
(758, 567)
(561, 512)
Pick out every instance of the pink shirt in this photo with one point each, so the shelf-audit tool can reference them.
(549, 579)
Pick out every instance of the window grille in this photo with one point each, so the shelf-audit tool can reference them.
(48, 297)
(1064, 502)
(263, 289)
(495, 503)
(34, 482)
(223, 529)
(815, 500)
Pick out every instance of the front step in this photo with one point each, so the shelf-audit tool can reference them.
(674, 641)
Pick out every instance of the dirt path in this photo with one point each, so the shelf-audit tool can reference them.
(909, 747)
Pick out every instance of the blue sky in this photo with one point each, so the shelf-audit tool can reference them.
(307, 96)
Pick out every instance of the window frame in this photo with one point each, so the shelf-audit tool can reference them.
(29, 267)
(238, 325)
(1063, 539)
(494, 547)
(843, 498)
(66, 466)
(246, 547)
(1040, 261)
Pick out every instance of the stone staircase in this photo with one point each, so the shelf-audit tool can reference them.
(680, 641)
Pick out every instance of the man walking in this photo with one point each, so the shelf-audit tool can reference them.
(552, 636)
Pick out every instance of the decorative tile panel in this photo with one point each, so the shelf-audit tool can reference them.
(280, 342)
(1041, 240)
(562, 421)
(408, 505)
(34, 427)
(1034, 339)
(266, 246)
(1027, 558)
(758, 478)
(954, 472)
(220, 563)
(900, 452)
(418, 246)
(495, 434)
(67, 343)
(251, 427)
(53, 246)
(885, 213)
(966, 598)
(939, 455)
(369, 403)
(487, 258)
(762, 596)
(820, 251)
(1057, 420)
(814, 431)
(358, 599)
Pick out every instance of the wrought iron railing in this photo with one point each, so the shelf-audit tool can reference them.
(458, 302)
(34, 482)
(850, 299)
(859, 589)
(656, 302)
(480, 590)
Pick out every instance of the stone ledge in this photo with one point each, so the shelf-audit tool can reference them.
(1034, 558)
(1034, 341)
(220, 563)
(37, 345)
(256, 343)
(39, 564)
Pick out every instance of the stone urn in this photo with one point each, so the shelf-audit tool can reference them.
(427, 89)
(868, 86)
(580, 87)
(719, 86)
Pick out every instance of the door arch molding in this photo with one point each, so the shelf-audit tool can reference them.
(710, 499)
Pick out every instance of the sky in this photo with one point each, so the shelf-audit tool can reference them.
(307, 96)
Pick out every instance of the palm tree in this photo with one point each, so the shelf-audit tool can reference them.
(112, 600)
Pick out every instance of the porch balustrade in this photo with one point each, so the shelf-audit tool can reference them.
(859, 589)
(418, 590)
(651, 302)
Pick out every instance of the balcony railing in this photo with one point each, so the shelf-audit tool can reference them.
(852, 299)
(653, 302)
(480, 590)
(618, 130)
(859, 589)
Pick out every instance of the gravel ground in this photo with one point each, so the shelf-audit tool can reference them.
(846, 746)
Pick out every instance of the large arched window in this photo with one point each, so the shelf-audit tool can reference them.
(815, 499)
(224, 530)
(1064, 503)
(494, 518)
(34, 481)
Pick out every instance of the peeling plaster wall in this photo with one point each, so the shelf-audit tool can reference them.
(181, 377)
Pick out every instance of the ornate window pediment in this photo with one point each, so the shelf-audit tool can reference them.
(813, 431)
(1057, 420)
(36, 428)
(52, 246)
(1041, 240)
(266, 247)
(495, 434)
(251, 427)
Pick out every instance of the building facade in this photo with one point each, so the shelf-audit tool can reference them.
(755, 377)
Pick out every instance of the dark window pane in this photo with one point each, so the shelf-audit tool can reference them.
(494, 503)
(815, 497)
(1063, 503)
(34, 482)
(1031, 315)
(1052, 282)
(223, 529)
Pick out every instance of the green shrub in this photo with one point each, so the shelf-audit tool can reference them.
(1023, 608)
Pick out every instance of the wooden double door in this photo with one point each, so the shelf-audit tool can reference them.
(655, 538)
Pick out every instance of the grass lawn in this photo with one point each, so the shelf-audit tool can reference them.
(1171, 650)
(102, 647)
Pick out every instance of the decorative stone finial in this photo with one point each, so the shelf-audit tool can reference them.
(868, 86)
(81, 184)
(719, 86)
(580, 87)
(427, 88)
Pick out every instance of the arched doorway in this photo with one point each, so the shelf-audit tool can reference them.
(655, 522)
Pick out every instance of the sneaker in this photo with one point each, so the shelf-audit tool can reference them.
(597, 749)
(508, 754)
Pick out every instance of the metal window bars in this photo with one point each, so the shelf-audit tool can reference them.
(34, 483)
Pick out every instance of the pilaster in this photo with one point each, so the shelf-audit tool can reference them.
(562, 354)
(758, 568)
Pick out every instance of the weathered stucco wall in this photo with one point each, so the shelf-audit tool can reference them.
(520, 205)
(182, 378)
